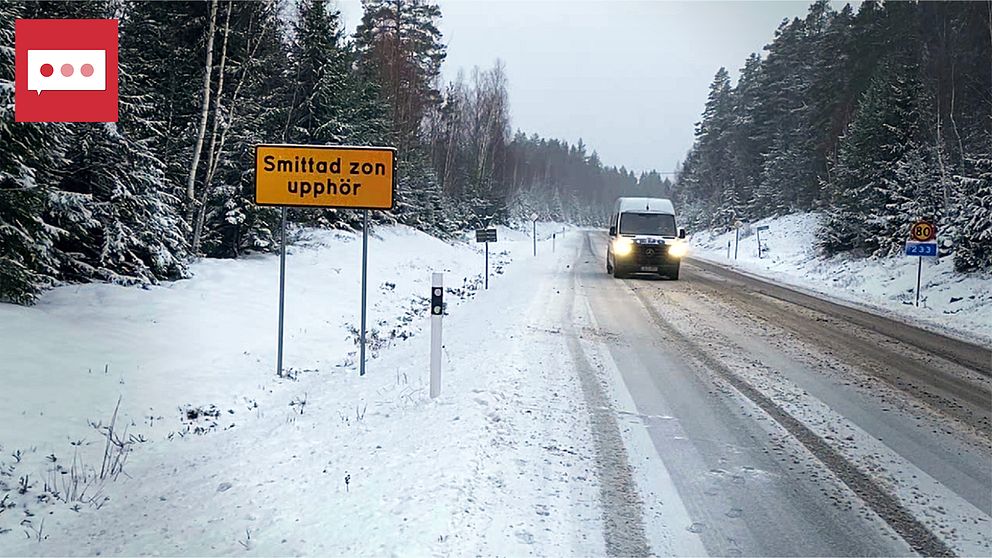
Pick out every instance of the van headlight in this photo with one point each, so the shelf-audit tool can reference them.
(678, 250)
(622, 246)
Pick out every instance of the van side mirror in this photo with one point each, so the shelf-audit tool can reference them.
(613, 231)
(681, 233)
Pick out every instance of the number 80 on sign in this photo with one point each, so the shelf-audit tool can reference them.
(922, 231)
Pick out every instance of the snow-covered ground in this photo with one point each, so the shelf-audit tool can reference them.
(949, 301)
(225, 457)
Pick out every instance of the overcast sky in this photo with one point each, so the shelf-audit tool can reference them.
(628, 77)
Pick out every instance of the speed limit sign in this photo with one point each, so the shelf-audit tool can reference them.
(923, 231)
(922, 242)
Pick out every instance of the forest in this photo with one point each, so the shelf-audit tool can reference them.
(201, 83)
(875, 117)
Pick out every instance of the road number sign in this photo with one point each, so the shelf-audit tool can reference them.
(922, 231)
(325, 176)
(921, 248)
(485, 235)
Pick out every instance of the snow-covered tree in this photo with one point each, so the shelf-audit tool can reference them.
(973, 248)
(117, 223)
(28, 262)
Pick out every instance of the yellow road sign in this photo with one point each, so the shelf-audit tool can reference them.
(325, 176)
(922, 231)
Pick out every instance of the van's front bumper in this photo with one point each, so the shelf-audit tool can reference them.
(647, 254)
(646, 258)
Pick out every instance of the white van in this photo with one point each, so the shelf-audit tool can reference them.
(644, 238)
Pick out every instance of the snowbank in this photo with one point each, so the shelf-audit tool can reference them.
(210, 340)
(227, 458)
(949, 301)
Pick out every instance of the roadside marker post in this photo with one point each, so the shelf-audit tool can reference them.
(761, 228)
(922, 243)
(554, 238)
(486, 236)
(334, 176)
(437, 312)
(533, 218)
(737, 235)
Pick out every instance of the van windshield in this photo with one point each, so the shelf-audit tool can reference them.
(647, 223)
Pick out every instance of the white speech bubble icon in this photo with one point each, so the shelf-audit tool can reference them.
(67, 70)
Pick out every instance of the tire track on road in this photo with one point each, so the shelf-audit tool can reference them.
(967, 354)
(915, 533)
(623, 510)
(932, 381)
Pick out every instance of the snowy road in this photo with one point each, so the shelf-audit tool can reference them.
(580, 415)
(790, 425)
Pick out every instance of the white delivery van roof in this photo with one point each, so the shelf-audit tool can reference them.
(645, 205)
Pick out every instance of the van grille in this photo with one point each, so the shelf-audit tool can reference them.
(650, 254)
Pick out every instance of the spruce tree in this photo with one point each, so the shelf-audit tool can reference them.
(875, 159)
(321, 93)
(119, 225)
(973, 238)
(28, 261)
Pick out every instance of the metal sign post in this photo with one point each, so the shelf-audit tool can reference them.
(282, 289)
(437, 312)
(325, 176)
(919, 276)
(365, 272)
(486, 236)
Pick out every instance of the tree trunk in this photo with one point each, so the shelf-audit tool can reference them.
(204, 113)
(229, 121)
(200, 208)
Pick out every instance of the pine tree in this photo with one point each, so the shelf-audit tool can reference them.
(713, 143)
(788, 179)
(400, 47)
(748, 138)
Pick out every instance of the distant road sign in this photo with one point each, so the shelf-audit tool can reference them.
(763, 228)
(534, 216)
(325, 176)
(921, 248)
(923, 231)
(485, 235)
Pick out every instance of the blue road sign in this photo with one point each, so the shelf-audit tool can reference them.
(921, 248)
